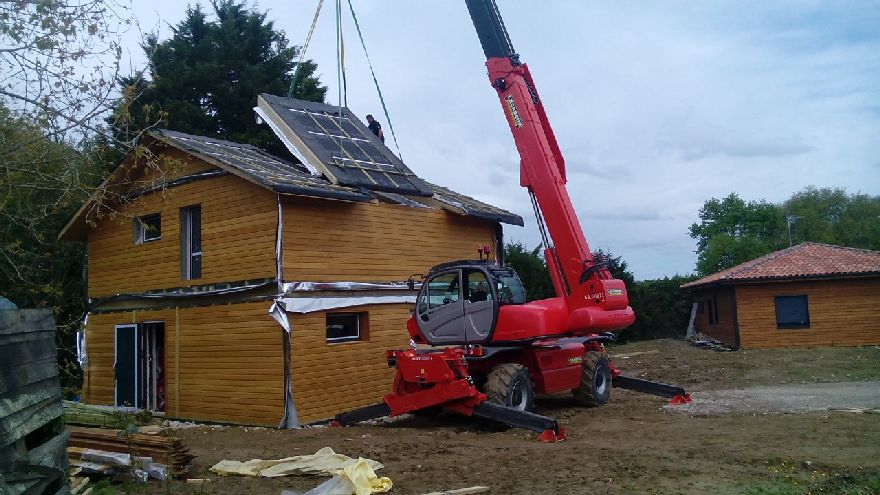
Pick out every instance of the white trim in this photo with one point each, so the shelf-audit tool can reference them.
(287, 143)
(313, 304)
(338, 137)
(343, 159)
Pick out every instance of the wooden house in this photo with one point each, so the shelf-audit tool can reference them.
(808, 295)
(230, 285)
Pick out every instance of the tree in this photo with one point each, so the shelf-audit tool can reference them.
(833, 216)
(205, 79)
(531, 268)
(732, 231)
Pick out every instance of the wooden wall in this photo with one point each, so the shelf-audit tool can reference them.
(337, 241)
(239, 221)
(332, 378)
(725, 328)
(230, 365)
(843, 312)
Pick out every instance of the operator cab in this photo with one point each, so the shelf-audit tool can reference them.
(458, 302)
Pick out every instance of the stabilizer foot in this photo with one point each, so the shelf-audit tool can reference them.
(551, 436)
(680, 399)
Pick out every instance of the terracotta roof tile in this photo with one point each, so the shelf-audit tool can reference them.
(802, 261)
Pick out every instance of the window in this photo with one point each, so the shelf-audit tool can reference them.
(792, 312)
(191, 242)
(477, 288)
(443, 290)
(147, 228)
(346, 327)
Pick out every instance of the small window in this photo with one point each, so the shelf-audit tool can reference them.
(792, 312)
(147, 228)
(477, 287)
(443, 289)
(191, 242)
(346, 327)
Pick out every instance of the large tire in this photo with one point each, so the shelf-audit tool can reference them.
(510, 385)
(595, 387)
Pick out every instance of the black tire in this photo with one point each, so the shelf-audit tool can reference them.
(595, 388)
(510, 385)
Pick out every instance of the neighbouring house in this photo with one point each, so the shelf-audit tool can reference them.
(229, 285)
(808, 295)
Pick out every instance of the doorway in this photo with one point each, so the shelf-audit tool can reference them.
(140, 365)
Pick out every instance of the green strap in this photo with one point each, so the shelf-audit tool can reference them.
(302, 54)
(375, 81)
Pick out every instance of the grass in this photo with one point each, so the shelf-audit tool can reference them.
(791, 478)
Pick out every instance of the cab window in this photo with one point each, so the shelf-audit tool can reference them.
(442, 290)
(478, 288)
(510, 289)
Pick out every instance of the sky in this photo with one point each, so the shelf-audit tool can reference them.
(657, 106)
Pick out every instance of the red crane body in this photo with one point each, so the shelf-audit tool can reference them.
(510, 349)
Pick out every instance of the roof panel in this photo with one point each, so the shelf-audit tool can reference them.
(258, 166)
(338, 144)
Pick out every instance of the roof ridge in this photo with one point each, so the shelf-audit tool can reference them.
(836, 246)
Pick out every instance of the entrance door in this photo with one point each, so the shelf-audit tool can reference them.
(126, 365)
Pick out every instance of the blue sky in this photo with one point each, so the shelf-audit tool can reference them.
(657, 106)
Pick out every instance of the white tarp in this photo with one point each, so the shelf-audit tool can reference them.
(312, 304)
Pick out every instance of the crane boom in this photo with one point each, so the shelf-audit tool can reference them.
(577, 276)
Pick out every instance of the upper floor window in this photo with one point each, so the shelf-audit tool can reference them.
(792, 312)
(147, 228)
(191, 242)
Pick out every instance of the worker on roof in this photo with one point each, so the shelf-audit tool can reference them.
(376, 127)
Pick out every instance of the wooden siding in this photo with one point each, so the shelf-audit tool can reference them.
(725, 328)
(843, 312)
(239, 222)
(332, 378)
(231, 362)
(334, 241)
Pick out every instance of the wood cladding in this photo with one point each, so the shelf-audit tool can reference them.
(719, 300)
(239, 222)
(332, 378)
(334, 241)
(843, 312)
(223, 363)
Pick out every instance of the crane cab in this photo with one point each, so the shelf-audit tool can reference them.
(458, 302)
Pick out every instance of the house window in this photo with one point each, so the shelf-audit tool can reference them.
(191, 242)
(346, 327)
(792, 312)
(147, 228)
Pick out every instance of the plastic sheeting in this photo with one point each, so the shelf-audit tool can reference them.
(319, 286)
(324, 462)
(312, 304)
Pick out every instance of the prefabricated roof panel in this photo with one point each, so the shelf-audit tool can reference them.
(339, 145)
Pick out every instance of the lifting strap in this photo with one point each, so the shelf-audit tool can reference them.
(375, 80)
(302, 51)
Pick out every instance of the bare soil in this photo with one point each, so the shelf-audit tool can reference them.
(632, 445)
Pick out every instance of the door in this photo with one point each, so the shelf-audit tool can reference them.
(441, 309)
(125, 365)
(479, 307)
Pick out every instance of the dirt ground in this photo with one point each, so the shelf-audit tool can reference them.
(632, 445)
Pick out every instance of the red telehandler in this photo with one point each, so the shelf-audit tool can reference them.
(491, 351)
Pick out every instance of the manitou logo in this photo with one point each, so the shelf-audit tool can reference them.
(513, 111)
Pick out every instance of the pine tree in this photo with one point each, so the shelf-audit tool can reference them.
(205, 79)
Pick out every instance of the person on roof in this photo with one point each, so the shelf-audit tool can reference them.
(376, 127)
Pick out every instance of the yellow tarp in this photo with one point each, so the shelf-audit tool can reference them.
(356, 475)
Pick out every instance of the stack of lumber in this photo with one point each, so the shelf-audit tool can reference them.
(166, 450)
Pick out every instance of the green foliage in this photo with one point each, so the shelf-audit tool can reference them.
(662, 309)
(616, 265)
(791, 478)
(732, 231)
(206, 78)
(531, 268)
(42, 184)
